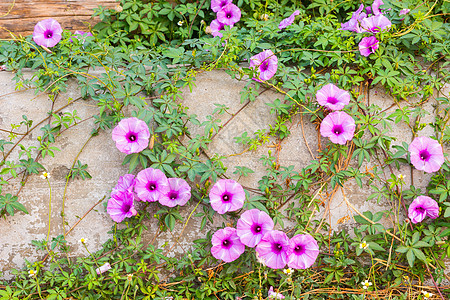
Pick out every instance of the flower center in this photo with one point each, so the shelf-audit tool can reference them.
(227, 244)
(223, 3)
(264, 66)
(332, 100)
(173, 195)
(48, 34)
(420, 209)
(226, 197)
(424, 155)
(221, 27)
(151, 186)
(229, 15)
(256, 228)
(375, 29)
(299, 249)
(277, 248)
(337, 129)
(126, 207)
(131, 137)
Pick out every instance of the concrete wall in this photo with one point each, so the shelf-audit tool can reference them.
(104, 161)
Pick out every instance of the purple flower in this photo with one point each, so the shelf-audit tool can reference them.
(303, 251)
(338, 126)
(131, 135)
(404, 11)
(274, 295)
(125, 183)
(120, 206)
(332, 97)
(151, 185)
(289, 20)
(179, 193)
(217, 5)
(229, 14)
(273, 249)
(47, 33)
(426, 154)
(421, 207)
(252, 226)
(226, 245)
(266, 63)
(375, 24)
(226, 195)
(80, 35)
(216, 27)
(376, 6)
(368, 45)
(353, 23)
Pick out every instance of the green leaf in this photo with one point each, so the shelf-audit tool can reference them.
(402, 249)
(411, 257)
(420, 255)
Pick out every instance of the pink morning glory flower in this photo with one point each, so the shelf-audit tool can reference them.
(376, 6)
(226, 195)
(368, 45)
(47, 33)
(273, 249)
(131, 135)
(151, 185)
(404, 12)
(338, 126)
(229, 14)
(179, 193)
(266, 64)
(421, 207)
(332, 97)
(226, 245)
(125, 183)
(289, 20)
(217, 5)
(120, 206)
(252, 226)
(274, 295)
(216, 27)
(303, 251)
(375, 24)
(353, 23)
(426, 154)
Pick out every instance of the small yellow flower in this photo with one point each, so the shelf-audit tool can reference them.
(366, 284)
(129, 277)
(82, 240)
(180, 23)
(32, 273)
(363, 245)
(288, 271)
(401, 176)
(427, 294)
(45, 175)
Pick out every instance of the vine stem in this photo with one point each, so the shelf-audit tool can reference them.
(434, 282)
(49, 208)
(184, 227)
(67, 183)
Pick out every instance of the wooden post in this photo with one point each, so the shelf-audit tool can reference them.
(20, 16)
